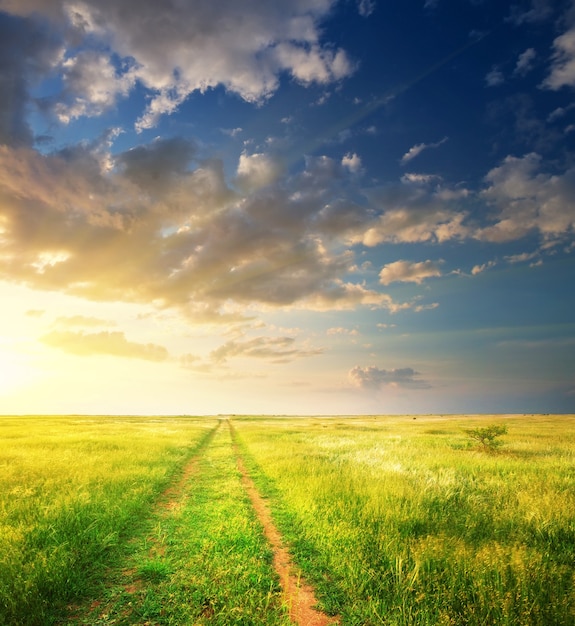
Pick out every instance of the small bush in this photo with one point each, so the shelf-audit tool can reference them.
(488, 436)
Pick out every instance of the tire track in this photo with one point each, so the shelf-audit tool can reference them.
(129, 583)
(299, 596)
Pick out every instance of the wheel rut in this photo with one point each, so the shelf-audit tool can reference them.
(298, 595)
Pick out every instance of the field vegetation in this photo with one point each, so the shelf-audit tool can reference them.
(72, 490)
(405, 521)
(394, 520)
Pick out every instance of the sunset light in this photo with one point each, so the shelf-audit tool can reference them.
(287, 207)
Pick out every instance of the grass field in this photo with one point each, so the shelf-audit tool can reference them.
(395, 520)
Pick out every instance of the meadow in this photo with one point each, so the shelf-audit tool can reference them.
(399, 520)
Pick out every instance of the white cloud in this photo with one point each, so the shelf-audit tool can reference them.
(365, 7)
(313, 64)
(522, 258)
(352, 162)
(92, 85)
(477, 269)
(418, 149)
(540, 10)
(525, 62)
(494, 77)
(375, 378)
(256, 171)
(562, 72)
(419, 179)
(560, 112)
(425, 307)
(339, 330)
(195, 46)
(411, 214)
(405, 271)
(276, 349)
(527, 199)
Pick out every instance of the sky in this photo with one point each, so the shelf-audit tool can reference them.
(287, 207)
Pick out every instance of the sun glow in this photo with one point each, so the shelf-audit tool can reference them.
(15, 372)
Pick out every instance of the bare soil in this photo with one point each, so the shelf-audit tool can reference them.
(298, 595)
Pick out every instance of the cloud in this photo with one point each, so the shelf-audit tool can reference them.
(412, 213)
(156, 225)
(35, 312)
(256, 171)
(540, 10)
(522, 258)
(92, 85)
(365, 7)
(104, 343)
(425, 307)
(375, 378)
(562, 72)
(419, 148)
(27, 54)
(494, 77)
(527, 200)
(195, 46)
(478, 269)
(275, 349)
(339, 330)
(352, 162)
(525, 62)
(560, 112)
(405, 271)
(159, 225)
(419, 179)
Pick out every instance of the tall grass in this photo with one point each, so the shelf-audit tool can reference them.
(400, 522)
(203, 560)
(70, 490)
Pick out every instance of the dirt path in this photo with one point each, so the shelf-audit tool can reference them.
(127, 582)
(298, 596)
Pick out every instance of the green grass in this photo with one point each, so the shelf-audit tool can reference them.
(203, 561)
(399, 521)
(71, 491)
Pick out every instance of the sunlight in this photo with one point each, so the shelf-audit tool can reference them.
(15, 373)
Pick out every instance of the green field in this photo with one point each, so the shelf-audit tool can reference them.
(395, 520)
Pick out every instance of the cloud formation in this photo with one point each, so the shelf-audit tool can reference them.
(274, 349)
(525, 62)
(527, 200)
(372, 377)
(419, 148)
(195, 46)
(563, 65)
(104, 343)
(406, 271)
(27, 53)
(156, 224)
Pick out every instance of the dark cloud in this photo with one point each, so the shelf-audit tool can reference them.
(375, 378)
(275, 349)
(27, 52)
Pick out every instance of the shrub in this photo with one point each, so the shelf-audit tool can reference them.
(488, 436)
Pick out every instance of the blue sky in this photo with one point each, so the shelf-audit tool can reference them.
(311, 206)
